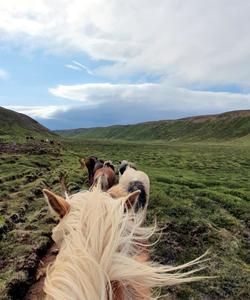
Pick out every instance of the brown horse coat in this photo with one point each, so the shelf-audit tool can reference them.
(107, 177)
(92, 163)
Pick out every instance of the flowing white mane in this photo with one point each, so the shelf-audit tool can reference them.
(99, 242)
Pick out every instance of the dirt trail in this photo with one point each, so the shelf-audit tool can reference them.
(35, 292)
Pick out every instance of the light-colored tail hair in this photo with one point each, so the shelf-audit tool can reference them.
(99, 242)
(100, 182)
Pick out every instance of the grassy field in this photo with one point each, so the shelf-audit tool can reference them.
(199, 195)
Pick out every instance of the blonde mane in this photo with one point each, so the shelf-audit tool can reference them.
(99, 244)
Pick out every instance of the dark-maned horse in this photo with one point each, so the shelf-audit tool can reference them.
(123, 166)
(92, 164)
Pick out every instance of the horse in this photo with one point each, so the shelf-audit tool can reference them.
(92, 164)
(124, 164)
(130, 181)
(105, 175)
(102, 250)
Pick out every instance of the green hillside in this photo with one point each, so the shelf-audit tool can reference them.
(226, 126)
(20, 125)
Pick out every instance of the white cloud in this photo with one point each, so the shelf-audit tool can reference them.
(4, 74)
(185, 42)
(79, 67)
(157, 97)
(106, 104)
(96, 93)
(43, 112)
(83, 67)
(73, 67)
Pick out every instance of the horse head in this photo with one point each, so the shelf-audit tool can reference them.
(103, 250)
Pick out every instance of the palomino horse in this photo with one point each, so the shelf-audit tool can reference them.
(102, 251)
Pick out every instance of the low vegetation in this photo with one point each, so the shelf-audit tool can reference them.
(199, 196)
(16, 125)
(214, 128)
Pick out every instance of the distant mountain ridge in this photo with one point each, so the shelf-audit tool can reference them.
(16, 124)
(225, 126)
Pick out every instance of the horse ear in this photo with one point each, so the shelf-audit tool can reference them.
(131, 198)
(57, 203)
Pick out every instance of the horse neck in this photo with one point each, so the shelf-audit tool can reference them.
(92, 247)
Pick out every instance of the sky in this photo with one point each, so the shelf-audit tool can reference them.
(88, 63)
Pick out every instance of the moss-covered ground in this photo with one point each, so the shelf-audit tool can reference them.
(200, 196)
